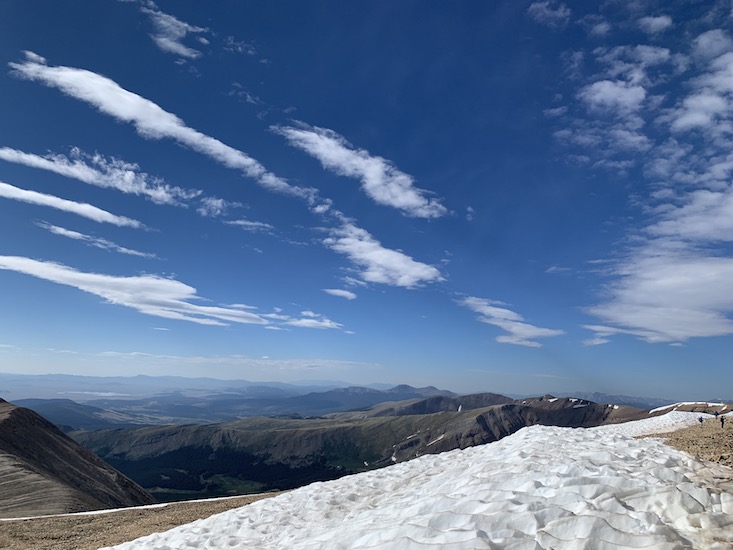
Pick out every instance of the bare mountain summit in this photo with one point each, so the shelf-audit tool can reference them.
(43, 471)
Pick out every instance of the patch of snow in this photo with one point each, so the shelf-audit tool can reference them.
(435, 440)
(580, 406)
(572, 399)
(664, 408)
(682, 403)
(552, 400)
(542, 487)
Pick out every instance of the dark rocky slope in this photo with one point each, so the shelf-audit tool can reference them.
(42, 471)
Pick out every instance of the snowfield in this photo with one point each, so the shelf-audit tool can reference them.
(541, 488)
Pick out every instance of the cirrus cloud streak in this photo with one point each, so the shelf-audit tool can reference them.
(148, 118)
(381, 180)
(519, 332)
(79, 208)
(148, 294)
(96, 242)
(102, 172)
(379, 264)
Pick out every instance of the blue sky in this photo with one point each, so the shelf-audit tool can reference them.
(520, 197)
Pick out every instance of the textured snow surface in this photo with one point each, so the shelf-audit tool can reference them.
(543, 487)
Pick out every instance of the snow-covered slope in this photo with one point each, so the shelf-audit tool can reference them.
(543, 487)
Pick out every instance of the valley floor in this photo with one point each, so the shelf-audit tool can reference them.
(90, 532)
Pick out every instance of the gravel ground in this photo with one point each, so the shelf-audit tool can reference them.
(89, 532)
(708, 441)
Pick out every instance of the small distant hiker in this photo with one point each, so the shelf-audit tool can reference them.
(722, 421)
(700, 419)
(716, 413)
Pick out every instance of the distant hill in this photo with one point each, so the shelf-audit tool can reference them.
(256, 454)
(42, 471)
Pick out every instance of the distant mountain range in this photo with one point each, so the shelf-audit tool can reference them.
(42, 471)
(215, 406)
(85, 388)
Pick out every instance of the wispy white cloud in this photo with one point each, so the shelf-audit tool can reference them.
(556, 111)
(518, 331)
(233, 45)
(595, 25)
(381, 180)
(617, 103)
(596, 341)
(101, 171)
(550, 13)
(215, 207)
(711, 44)
(309, 319)
(380, 264)
(249, 225)
(616, 96)
(79, 208)
(655, 25)
(600, 29)
(93, 241)
(160, 297)
(341, 293)
(241, 92)
(149, 120)
(170, 32)
(669, 296)
(148, 294)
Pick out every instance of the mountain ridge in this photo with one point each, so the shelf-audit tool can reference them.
(262, 453)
